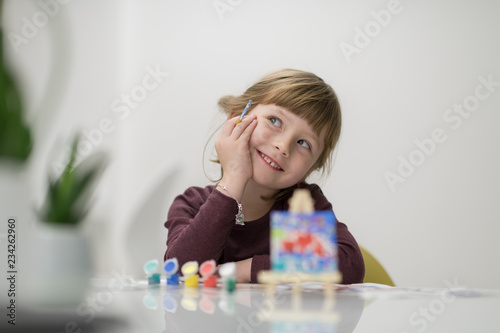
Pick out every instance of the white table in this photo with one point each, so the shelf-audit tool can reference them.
(133, 306)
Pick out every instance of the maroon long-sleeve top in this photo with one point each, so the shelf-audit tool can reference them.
(201, 226)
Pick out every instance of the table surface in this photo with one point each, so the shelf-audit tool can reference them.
(134, 306)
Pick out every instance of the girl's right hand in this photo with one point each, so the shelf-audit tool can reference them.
(232, 148)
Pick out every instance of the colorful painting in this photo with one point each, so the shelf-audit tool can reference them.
(303, 242)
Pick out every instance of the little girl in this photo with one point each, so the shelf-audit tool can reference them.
(290, 130)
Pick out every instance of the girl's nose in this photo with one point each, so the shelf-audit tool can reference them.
(283, 146)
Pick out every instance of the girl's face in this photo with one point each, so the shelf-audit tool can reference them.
(283, 147)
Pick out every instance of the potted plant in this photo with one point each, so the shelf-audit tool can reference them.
(63, 261)
(55, 258)
(68, 196)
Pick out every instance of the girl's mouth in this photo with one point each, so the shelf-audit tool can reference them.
(272, 163)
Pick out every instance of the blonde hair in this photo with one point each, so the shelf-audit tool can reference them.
(302, 93)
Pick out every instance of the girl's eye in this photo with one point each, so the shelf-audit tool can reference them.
(275, 121)
(304, 144)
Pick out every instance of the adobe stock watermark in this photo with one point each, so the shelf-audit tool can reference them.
(363, 37)
(453, 116)
(424, 316)
(89, 308)
(223, 6)
(31, 27)
(121, 108)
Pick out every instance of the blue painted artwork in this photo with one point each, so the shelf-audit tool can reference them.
(303, 242)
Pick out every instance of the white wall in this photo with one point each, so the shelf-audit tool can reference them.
(439, 224)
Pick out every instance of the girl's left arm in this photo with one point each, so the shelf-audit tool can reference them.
(350, 259)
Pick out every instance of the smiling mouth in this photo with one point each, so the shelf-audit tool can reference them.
(270, 161)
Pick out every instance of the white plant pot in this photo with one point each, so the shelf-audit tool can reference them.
(62, 267)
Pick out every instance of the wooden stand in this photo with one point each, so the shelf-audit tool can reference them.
(271, 279)
(298, 277)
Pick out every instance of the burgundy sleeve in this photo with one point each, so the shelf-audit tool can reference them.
(351, 263)
(199, 222)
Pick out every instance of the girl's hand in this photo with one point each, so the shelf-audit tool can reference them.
(232, 148)
(243, 270)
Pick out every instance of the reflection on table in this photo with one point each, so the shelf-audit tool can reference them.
(252, 309)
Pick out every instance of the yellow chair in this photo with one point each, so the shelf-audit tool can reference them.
(374, 271)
